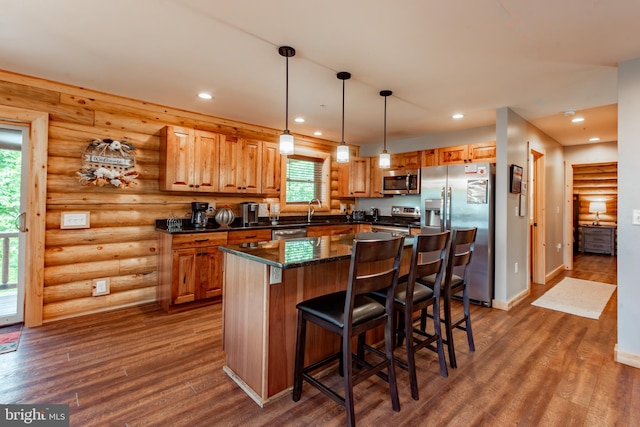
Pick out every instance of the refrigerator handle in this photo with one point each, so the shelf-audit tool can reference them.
(443, 219)
(448, 212)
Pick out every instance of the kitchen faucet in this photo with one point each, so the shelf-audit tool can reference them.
(310, 211)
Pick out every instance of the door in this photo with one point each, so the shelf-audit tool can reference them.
(536, 218)
(13, 168)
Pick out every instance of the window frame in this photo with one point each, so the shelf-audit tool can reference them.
(312, 154)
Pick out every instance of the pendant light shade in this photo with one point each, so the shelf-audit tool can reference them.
(385, 158)
(286, 139)
(342, 155)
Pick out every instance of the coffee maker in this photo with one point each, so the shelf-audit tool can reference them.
(249, 213)
(199, 214)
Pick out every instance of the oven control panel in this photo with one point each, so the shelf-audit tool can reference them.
(405, 211)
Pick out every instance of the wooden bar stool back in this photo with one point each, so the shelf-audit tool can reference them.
(374, 266)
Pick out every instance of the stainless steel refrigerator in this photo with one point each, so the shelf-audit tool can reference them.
(462, 196)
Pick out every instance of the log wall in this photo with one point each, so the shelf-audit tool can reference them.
(596, 182)
(121, 244)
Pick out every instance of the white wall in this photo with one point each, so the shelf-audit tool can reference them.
(602, 152)
(628, 346)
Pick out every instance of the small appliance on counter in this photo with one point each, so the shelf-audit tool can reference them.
(199, 214)
(249, 212)
(374, 212)
(358, 215)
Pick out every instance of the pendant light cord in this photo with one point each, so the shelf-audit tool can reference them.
(342, 112)
(385, 125)
(286, 106)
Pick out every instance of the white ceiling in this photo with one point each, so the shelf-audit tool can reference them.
(438, 57)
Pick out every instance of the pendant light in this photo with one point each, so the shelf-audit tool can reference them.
(286, 139)
(385, 158)
(342, 155)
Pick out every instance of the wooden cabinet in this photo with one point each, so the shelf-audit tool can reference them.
(240, 165)
(429, 157)
(190, 268)
(409, 160)
(483, 152)
(332, 230)
(188, 160)
(271, 164)
(354, 177)
(480, 152)
(375, 188)
(598, 239)
(248, 236)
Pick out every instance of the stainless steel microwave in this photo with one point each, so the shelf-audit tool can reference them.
(402, 181)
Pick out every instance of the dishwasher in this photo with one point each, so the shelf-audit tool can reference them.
(288, 233)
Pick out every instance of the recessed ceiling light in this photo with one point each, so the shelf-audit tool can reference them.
(205, 95)
(594, 139)
(317, 133)
(457, 116)
(299, 120)
(577, 119)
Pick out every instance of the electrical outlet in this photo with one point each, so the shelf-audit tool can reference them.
(212, 207)
(74, 220)
(101, 287)
(636, 217)
(516, 267)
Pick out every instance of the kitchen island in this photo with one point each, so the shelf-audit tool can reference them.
(263, 283)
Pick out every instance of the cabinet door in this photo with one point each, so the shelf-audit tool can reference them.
(206, 161)
(183, 280)
(229, 165)
(454, 155)
(271, 169)
(209, 273)
(483, 152)
(429, 157)
(409, 160)
(343, 179)
(251, 158)
(177, 151)
(359, 176)
(375, 189)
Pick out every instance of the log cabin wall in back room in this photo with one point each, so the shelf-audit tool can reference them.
(121, 243)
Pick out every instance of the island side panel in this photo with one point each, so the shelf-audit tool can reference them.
(245, 306)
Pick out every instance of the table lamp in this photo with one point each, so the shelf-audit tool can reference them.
(597, 207)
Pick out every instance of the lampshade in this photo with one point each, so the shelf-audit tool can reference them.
(286, 139)
(597, 207)
(385, 158)
(342, 154)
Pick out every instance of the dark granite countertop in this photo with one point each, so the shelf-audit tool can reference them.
(291, 222)
(304, 251)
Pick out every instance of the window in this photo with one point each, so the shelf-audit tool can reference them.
(304, 179)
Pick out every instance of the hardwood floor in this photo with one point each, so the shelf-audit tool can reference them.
(142, 367)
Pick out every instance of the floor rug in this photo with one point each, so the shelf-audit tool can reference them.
(9, 338)
(576, 296)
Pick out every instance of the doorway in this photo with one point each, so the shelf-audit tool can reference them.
(13, 176)
(537, 253)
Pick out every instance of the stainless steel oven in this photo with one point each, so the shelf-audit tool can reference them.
(393, 229)
(405, 181)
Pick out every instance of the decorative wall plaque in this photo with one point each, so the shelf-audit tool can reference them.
(106, 161)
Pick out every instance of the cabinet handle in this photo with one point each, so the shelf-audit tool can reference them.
(197, 186)
(251, 237)
(201, 240)
(191, 185)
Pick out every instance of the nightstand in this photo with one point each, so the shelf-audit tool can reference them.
(599, 239)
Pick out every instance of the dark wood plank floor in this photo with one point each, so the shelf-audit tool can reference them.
(141, 367)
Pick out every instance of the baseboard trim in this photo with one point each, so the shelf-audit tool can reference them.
(626, 358)
(553, 274)
(508, 305)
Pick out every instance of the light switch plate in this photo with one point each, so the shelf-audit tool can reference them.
(101, 286)
(263, 210)
(74, 220)
(636, 217)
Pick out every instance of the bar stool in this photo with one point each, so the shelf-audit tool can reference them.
(459, 258)
(374, 265)
(428, 258)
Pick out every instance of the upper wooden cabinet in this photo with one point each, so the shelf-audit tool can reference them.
(429, 157)
(271, 161)
(375, 189)
(409, 160)
(188, 160)
(483, 152)
(240, 165)
(480, 152)
(354, 177)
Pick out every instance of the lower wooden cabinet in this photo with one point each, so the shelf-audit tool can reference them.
(190, 268)
(331, 230)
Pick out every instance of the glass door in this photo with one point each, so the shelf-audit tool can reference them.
(13, 171)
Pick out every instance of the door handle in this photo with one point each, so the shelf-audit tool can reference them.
(19, 222)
